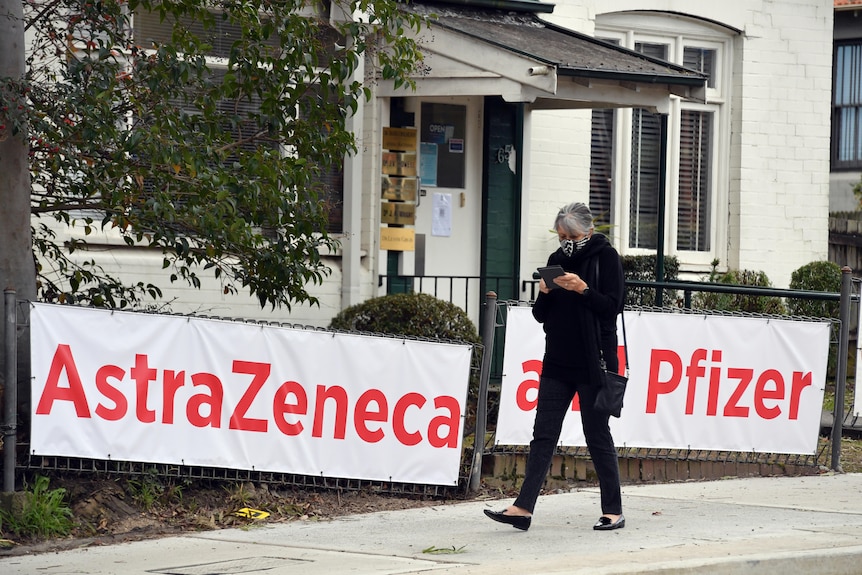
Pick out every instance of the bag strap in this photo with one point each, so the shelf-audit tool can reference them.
(625, 343)
(599, 330)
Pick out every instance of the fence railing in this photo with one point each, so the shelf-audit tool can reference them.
(688, 288)
(472, 293)
(467, 292)
(648, 293)
(841, 340)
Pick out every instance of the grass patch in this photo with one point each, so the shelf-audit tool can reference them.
(42, 512)
(444, 550)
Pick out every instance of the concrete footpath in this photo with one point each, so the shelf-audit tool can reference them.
(809, 525)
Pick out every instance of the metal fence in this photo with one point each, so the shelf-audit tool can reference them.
(19, 462)
(42, 464)
(493, 314)
(828, 454)
(759, 462)
(466, 292)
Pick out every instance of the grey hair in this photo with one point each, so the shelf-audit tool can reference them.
(575, 218)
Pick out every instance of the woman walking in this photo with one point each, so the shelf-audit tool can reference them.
(578, 316)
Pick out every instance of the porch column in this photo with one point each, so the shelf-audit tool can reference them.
(351, 244)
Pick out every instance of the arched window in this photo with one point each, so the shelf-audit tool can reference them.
(625, 160)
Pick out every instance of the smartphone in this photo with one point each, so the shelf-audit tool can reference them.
(549, 273)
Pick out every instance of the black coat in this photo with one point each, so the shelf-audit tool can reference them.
(569, 319)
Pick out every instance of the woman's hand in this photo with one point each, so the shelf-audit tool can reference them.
(543, 287)
(571, 282)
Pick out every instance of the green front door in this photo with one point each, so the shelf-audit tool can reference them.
(501, 210)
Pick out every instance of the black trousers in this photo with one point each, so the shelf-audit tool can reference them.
(554, 402)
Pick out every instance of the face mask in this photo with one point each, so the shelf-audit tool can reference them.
(581, 242)
(568, 247)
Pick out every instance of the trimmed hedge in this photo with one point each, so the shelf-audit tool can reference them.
(408, 314)
(816, 276)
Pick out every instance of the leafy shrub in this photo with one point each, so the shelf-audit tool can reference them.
(409, 314)
(42, 513)
(816, 276)
(735, 301)
(642, 268)
(820, 276)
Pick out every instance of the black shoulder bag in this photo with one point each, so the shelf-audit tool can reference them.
(609, 399)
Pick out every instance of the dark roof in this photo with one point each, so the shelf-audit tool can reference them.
(504, 5)
(572, 53)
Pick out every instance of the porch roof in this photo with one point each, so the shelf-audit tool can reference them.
(531, 60)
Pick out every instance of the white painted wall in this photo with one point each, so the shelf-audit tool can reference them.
(559, 175)
(778, 175)
(143, 265)
(781, 127)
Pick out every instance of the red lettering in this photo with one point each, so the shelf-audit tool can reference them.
(452, 422)
(213, 400)
(761, 393)
(405, 437)
(362, 415)
(281, 407)
(339, 394)
(621, 359)
(769, 386)
(656, 387)
(171, 382)
(693, 372)
(111, 393)
(529, 386)
(800, 382)
(714, 380)
(63, 360)
(143, 375)
(259, 373)
(744, 375)
(206, 406)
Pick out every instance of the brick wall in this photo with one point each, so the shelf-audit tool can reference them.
(506, 471)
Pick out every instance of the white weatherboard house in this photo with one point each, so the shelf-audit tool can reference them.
(701, 129)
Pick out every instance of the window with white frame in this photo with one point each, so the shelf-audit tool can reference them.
(626, 144)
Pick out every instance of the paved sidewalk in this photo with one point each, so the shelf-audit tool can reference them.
(784, 525)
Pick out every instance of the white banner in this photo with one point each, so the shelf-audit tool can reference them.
(205, 392)
(696, 382)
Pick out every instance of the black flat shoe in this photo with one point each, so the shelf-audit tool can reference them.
(605, 523)
(521, 522)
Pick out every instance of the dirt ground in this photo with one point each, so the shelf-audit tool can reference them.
(109, 511)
